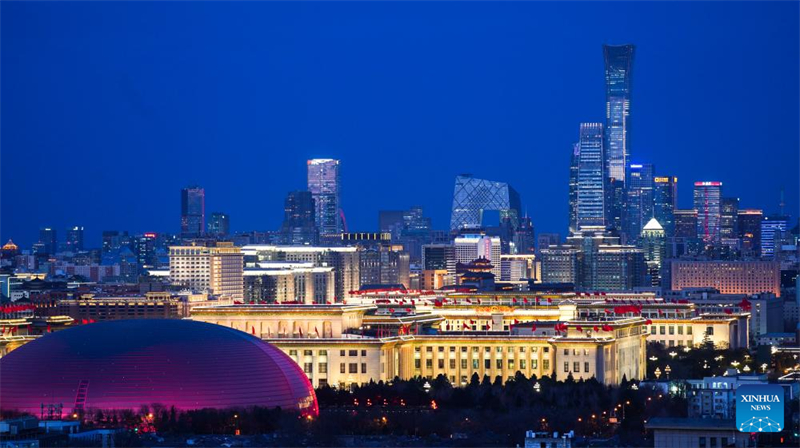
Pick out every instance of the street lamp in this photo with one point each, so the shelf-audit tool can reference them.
(673, 354)
(746, 368)
(427, 386)
(658, 372)
(764, 367)
(735, 363)
(653, 358)
(667, 370)
(537, 387)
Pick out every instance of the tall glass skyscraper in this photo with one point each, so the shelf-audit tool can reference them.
(574, 165)
(639, 203)
(471, 197)
(665, 196)
(707, 196)
(619, 65)
(591, 177)
(193, 212)
(323, 183)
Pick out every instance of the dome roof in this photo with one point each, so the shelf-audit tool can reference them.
(125, 364)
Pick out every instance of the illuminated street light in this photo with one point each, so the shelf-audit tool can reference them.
(658, 373)
(653, 358)
(673, 354)
(537, 387)
(735, 363)
(667, 370)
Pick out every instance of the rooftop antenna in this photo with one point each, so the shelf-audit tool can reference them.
(782, 204)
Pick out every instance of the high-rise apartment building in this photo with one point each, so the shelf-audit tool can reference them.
(618, 71)
(324, 185)
(750, 230)
(639, 204)
(218, 269)
(665, 201)
(591, 179)
(219, 224)
(299, 219)
(707, 197)
(193, 212)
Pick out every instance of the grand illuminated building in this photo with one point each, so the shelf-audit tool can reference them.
(352, 344)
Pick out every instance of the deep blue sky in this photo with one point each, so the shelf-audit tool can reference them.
(109, 108)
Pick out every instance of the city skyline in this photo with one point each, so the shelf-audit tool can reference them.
(540, 152)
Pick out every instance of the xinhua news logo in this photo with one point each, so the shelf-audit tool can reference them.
(759, 408)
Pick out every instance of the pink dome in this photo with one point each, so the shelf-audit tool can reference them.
(125, 364)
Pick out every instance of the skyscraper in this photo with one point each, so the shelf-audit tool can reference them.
(591, 180)
(707, 197)
(772, 228)
(665, 196)
(729, 222)
(639, 203)
(471, 197)
(653, 243)
(750, 231)
(324, 185)
(193, 212)
(299, 223)
(74, 240)
(574, 166)
(220, 224)
(48, 240)
(619, 65)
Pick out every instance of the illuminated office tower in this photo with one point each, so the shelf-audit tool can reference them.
(618, 75)
(729, 222)
(471, 197)
(750, 231)
(74, 240)
(639, 203)
(653, 243)
(574, 165)
(619, 65)
(665, 196)
(324, 185)
(299, 225)
(193, 212)
(772, 229)
(591, 181)
(219, 224)
(707, 196)
(48, 240)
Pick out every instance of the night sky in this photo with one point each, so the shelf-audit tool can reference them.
(109, 108)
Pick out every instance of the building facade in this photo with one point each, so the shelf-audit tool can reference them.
(218, 269)
(324, 184)
(193, 212)
(591, 207)
(729, 277)
(707, 202)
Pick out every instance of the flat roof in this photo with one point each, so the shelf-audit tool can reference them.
(691, 423)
